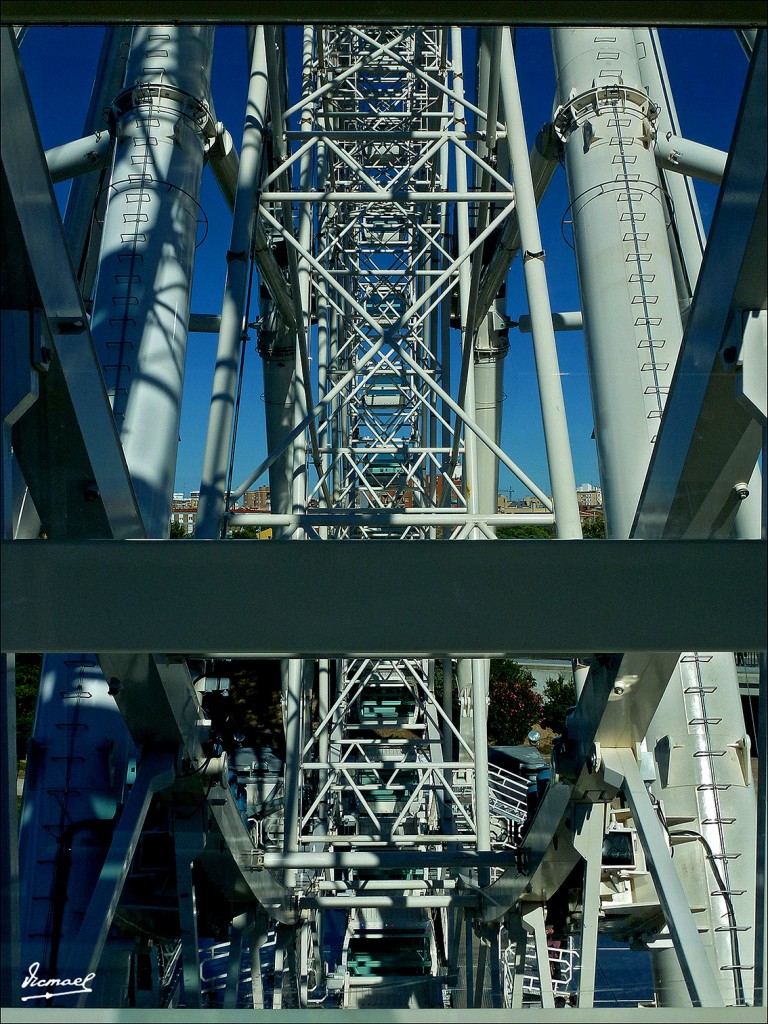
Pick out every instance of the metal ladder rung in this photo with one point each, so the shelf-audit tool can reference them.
(718, 821)
(704, 721)
(727, 892)
(709, 753)
(733, 928)
(700, 689)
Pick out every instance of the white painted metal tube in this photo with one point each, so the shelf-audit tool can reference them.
(628, 293)
(466, 394)
(570, 321)
(384, 884)
(221, 414)
(396, 902)
(79, 157)
(225, 164)
(559, 458)
(386, 196)
(686, 234)
(480, 687)
(299, 278)
(279, 397)
(543, 161)
(368, 517)
(692, 158)
(142, 295)
(293, 704)
(355, 859)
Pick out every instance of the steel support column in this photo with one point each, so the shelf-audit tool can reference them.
(695, 964)
(588, 840)
(533, 916)
(229, 352)
(567, 520)
(156, 772)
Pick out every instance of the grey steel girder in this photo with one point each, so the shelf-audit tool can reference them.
(60, 596)
(86, 466)
(708, 441)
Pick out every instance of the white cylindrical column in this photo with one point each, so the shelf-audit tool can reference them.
(490, 350)
(229, 350)
(633, 332)
(632, 321)
(559, 460)
(277, 346)
(142, 295)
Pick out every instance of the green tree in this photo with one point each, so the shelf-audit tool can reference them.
(247, 533)
(514, 703)
(559, 697)
(27, 685)
(177, 531)
(527, 532)
(593, 529)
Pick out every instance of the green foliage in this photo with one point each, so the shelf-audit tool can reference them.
(178, 531)
(247, 533)
(559, 697)
(514, 703)
(529, 532)
(593, 529)
(27, 685)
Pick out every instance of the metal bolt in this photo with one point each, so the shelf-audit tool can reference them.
(618, 689)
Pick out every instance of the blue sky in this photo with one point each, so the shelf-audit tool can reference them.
(707, 70)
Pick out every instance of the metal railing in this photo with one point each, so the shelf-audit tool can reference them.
(508, 794)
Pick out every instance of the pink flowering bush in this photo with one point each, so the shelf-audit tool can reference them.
(514, 705)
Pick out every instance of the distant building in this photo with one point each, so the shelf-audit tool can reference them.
(505, 505)
(184, 511)
(589, 496)
(259, 500)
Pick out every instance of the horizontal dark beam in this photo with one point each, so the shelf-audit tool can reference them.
(379, 598)
(512, 12)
